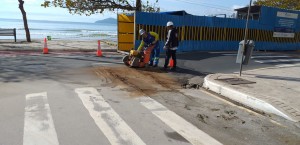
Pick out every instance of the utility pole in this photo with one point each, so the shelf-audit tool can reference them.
(245, 38)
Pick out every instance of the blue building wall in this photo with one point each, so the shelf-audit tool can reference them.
(200, 33)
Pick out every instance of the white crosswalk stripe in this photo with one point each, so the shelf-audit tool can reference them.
(191, 133)
(230, 54)
(7, 55)
(265, 59)
(260, 58)
(39, 127)
(109, 122)
(277, 60)
(267, 56)
(38, 123)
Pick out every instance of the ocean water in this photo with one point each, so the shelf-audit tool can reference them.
(61, 30)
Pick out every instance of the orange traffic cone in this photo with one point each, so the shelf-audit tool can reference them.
(171, 64)
(45, 50)
(99, 51)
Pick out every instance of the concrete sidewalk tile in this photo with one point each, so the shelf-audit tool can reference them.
(255, 97)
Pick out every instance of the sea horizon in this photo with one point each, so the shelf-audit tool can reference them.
(60, 29)
(32, 20)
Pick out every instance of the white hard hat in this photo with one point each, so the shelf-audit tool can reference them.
(170, 24)
(142, 31)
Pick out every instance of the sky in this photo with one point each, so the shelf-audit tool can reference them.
(9, 9)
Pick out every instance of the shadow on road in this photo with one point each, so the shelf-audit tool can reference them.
(195, 55)
(190, 72)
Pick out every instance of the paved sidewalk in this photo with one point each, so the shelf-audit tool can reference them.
(276, 90)
(57, 45)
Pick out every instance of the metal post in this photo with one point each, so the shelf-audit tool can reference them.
(118, 29)
(245, 38)
(15, 34)
(134, 29)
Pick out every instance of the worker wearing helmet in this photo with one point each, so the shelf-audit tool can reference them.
(150, 38)
(171, 45)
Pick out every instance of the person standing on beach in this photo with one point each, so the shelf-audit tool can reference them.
(171, 45)
(151, 38)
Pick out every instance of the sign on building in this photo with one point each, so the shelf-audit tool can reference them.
(285, 25)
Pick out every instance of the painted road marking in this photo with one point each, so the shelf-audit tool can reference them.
(272, 67)
(229, 54)
(277, 60)
(260, 56)
(286, 65)
(191, 133)
(273, 56)
(8, 55)
(109, 122)
(38, 125)
(67, 56)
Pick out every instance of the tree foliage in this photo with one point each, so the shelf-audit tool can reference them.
(89, 7)
(284, 4)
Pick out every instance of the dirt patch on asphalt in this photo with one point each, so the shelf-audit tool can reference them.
(225, 122)
(139, 82)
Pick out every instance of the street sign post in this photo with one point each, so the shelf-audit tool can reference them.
(245, 38)
(245, 53)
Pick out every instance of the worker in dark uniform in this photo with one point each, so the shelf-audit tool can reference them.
(171, 45)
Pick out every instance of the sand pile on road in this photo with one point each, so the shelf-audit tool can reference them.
(143, 81)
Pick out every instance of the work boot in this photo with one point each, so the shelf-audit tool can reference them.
(164, 69)
(150, 64)
(173, 69)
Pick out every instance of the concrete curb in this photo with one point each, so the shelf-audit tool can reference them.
(246, 99)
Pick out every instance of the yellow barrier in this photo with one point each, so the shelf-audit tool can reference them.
(125, 32)
(125, 46)
(125, 18)
(126, 27)
(125, 37)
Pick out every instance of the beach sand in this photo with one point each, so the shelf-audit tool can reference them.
(57, 45)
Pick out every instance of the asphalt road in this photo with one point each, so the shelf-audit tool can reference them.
(225, 62)
(80, 99)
